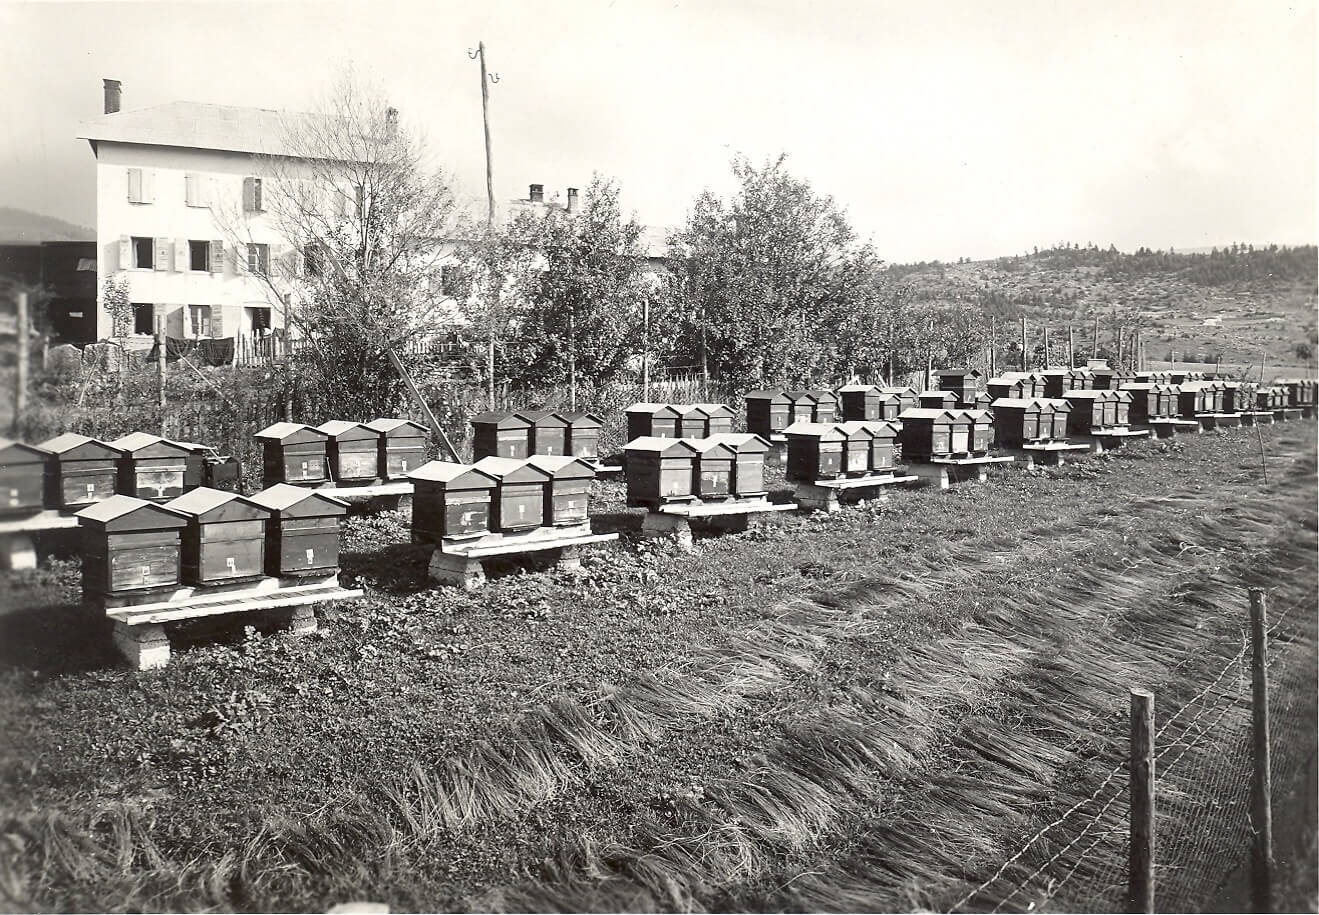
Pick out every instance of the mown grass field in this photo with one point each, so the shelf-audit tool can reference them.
(869, 710)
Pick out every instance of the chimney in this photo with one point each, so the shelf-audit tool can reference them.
(537, 193)
(113, 94)
(391, 123)
(572, 200)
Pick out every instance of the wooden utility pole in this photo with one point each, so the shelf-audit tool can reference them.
(1071, 348)
(1046, 346)
(1140, 854)
(645, 349)
(20, 395)
(1261, 785)
(1120, 331)
(993, 348)
(490, 206)
(1094, 346)
(929, 354)
(1023, 344)
(160, 367)
(1135, 349)
(892, 345)
(572, 361)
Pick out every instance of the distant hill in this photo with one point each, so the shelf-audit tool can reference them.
(1237, 304)
(24, 226)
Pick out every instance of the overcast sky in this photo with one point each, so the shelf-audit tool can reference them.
(945, 128)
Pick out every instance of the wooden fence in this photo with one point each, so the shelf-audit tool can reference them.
(264, 349)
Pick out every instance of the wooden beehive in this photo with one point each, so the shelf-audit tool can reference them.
(584, 434)
(519, 497)
(567, 490)
(225, 538)
(302, 533)
(352, 451)
(1083, 379)
(907, 399)
(549, 431)
(652, 420)
(883, 438)
(1054, 412)
(857, 439)
(964, 382)
(22, 478)
(929, 433)
(692, 422)
(1146, 403)
(79, 471)
(825, 409)
(749, 468)
(151, 467)
(293, 453)
(129, 546)
(860, 402)
(1169, 399)
(1057, 381)
(1238, 396)
(450, 501)
(1019, 421)
(660, 470)
(194, 464)
(1089, 412)
(815, 451)
(1193, 399)
(768, 413)
(982, 430)
(505, 435)
(718, 418)
(715, 463)
(802, 406)
(402, 446)
(1009, 388)
(1121, 401)
(1271, 397)
(939, 400)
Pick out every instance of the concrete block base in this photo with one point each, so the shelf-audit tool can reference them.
(658, 524)
(456, 570)
(17, 552)
(569, 560)
(145, 647)
(944, 475)
(817, 498)
(300, 620)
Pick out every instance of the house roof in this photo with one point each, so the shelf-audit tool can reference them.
(199, 125)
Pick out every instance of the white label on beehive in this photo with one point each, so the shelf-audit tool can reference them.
(91, 490)
(522, 510)
(146, 573)
(13, 497)
(310, 554)
(572, 503)
(229, 561)
(467, 517)
(405, 465)
(304, 468)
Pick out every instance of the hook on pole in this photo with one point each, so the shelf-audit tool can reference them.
(472, 55)
(494, 77)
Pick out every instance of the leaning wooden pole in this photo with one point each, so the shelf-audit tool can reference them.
(1261, 786)
(20, 393)
(431, 421)
(1140, 847)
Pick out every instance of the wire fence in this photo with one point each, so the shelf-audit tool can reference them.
(1204, 761)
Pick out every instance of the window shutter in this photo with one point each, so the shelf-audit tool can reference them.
(182, 255)
(259, 203)
(125, 252)
(135, 185)
(190, 189)
(163, 253)
(217, 320)
(249, 195)
(217, 256)
(148, 185)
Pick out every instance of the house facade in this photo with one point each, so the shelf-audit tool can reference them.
(180, 217)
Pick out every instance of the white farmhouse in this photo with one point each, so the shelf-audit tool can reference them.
(166, 178)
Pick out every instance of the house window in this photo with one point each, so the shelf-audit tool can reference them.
(259, 318)
(252, 197)
(451, 279)
(258, 259)
(144, 318)
(199, 255)
(137, 189)
(193, 191)
(200, 316)
(144, 253)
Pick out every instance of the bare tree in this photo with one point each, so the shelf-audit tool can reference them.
(364, 217)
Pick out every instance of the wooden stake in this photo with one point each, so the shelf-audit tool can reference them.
(1023, 344)
(1071, 348)
(20, 395)
(1046, 346)
(645, 349)
(1261, 785)
(1120, 331)
(160, 367)
(421, 402)
(993, 348)
(1140, 856)
(1095, 344)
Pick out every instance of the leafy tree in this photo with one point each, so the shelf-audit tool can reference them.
(767, 280)
(366, 212)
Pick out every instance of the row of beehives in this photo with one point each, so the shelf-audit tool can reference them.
(207, 538)
(498, 495)
(341, 451)
(70, 471)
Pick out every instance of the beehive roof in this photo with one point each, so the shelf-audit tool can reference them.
(119, 505)
(855, 427)
(925, 413)
(1017, 403)
(557, 464)
(500, 418)
(284, 495)
(653, 408)
(67, 441)
(711, 409)
(582, 418)
(538, 417)
(389, 424)
(280, 431)
(741, 440)
(447, 472)
(659, 445)
(499, 467)
(813, 430)
(766, 395)
(858, 387)
(203, 499)
(36, 450)
(337, 427)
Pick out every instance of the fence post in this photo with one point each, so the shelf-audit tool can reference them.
(160, 368)
(1261, 786)
(1140, 849)
(20, 395)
